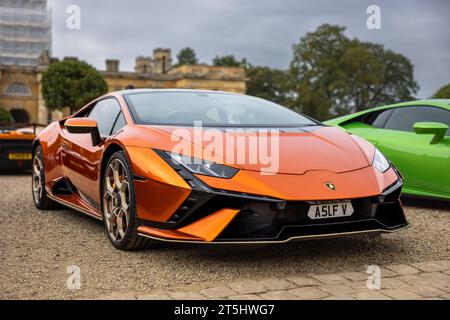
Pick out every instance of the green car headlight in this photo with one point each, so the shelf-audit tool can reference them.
(380, 162)
(205, 167)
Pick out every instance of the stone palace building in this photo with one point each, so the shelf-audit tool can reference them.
(20, 85)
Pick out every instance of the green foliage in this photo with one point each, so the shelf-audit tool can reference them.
(71, 83)
(442, 93)
(229, 61)
(270, 84)
(263, 82)
(5, 116)
(333, 75)
(186, 56)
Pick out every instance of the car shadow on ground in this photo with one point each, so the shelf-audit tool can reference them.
(364, 249)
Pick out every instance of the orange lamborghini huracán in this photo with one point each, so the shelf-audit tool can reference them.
(212, 167)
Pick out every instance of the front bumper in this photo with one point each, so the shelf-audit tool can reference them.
(237, 218)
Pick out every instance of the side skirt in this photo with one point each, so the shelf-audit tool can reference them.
(74, 207)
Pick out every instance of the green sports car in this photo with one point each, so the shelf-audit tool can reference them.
(415, 136)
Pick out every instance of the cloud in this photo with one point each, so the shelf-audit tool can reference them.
(262, 31)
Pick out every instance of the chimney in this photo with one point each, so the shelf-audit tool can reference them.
(143, 65)
(112, 65)
(162, 60)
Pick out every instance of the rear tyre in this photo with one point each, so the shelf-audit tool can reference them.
(119, 205)
(40, 196)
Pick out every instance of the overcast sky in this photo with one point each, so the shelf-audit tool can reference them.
(263, 31)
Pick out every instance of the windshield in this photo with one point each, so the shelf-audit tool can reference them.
(212, 109)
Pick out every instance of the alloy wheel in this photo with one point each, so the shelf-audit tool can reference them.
(116, 200)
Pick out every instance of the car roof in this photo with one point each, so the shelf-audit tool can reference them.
(440, 103)
(433, 102)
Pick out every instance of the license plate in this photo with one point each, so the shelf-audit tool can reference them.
(19, 156)
(324, 210)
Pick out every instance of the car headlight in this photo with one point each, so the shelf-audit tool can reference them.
(205, 167)
(380, 162)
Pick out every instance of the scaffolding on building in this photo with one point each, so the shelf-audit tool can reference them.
(25, 31)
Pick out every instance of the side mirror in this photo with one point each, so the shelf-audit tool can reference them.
(84, 126)
(437, 128)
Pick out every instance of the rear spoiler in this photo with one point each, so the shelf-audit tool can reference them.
(6, 127)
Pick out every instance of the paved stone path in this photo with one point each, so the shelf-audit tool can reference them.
(423, 280)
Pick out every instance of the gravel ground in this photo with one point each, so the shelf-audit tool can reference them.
(36, 247)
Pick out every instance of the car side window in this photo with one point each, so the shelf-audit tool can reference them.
(404, 118)
(120, 123)
(105, 112)
(377, 119)
(382, 118)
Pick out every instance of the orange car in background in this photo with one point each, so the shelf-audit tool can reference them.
(187, 166)
(16, 142)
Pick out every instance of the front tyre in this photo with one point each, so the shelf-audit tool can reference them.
(119, 205)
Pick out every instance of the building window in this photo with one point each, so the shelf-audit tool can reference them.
(18, 89)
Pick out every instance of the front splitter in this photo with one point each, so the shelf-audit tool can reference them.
(294, 238)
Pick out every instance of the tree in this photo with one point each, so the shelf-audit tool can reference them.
(229, 61)
(71, 83)
(5, 116)
(270, 84)
(396, 78)
(442, 93)
(333, 75)
(186, 56)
